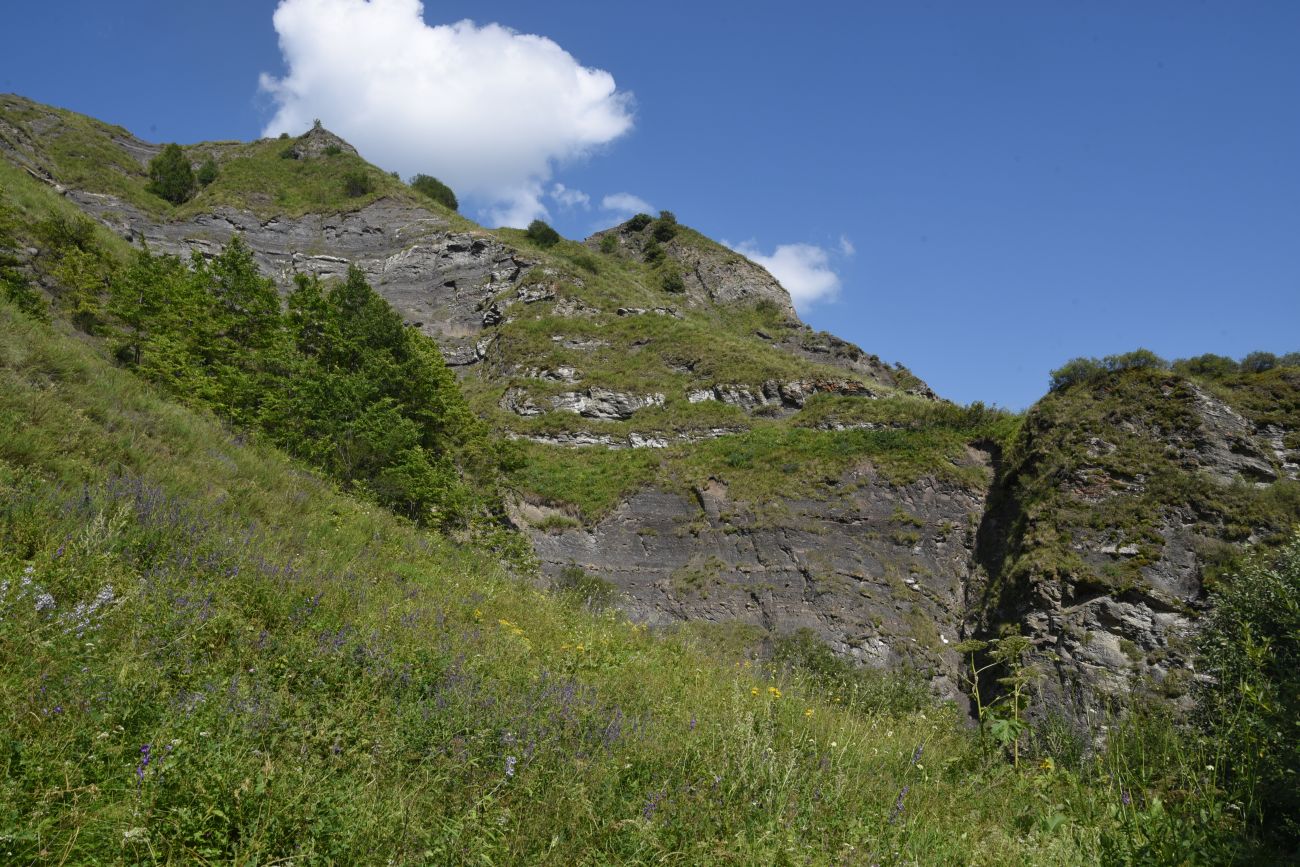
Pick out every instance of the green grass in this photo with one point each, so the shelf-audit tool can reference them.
(316, 680)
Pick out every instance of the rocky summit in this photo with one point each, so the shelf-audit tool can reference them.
(687, 440)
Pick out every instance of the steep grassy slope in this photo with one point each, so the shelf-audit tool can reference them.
(208, 654)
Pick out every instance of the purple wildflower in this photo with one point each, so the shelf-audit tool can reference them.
(916, 754)
(1124, 797)
(146, 754)
(510, 766)
(898, 805)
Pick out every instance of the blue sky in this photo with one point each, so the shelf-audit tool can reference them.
(1019, 183)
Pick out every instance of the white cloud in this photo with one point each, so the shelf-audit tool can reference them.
(570, 198)
(624, 205)
(803, 269)
(846, 246)
(485, 109)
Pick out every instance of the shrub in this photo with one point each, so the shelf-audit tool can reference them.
(1078, 370)
(283, 136)
(1291, 359)
(1208, 365)
(357, 183)
(609, 244)
(170, 175)
(1250, 647)
(1074, 371)
(665, 228)
(541, 234)
(288, 154)
(639, 222)
(1258, 362)
(591, 591)
(207, 172)
(332, 150)
(435, 189)
(672, 281)
(652, 252)
(1138, 359)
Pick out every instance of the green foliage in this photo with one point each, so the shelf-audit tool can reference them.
(207, 172)
(1079, 370)
(638, 222)
(609, 244)
(1138, 359)
(804, 655)
(665, 228)
(590, 591)
(358, 183)
(338, 381)
(332, 150)
(652, 252)
(14, 285)
(429, 186)
(1250, 646)
(1209, 365)
(170, 175)
(541, 234)
(1258, 362)
(1075, 371)
(671, 281)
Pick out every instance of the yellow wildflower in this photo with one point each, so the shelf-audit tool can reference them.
(774, 692)
(753, 690)
(808, 712)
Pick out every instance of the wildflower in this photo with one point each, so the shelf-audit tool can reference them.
(774, 692)
(916, 754)
(44, 602)
(753, 690)
(691, 726)
(808, 712)
(145, 758)
(1124, 797)
(898, 805)
(510, 766)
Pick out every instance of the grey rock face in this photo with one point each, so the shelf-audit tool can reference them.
(878, 572)
(1095, 645)
(439, 280)
(777, 395)
(604, 404)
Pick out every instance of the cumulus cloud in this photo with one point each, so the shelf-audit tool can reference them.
(803, 269)
(624, 205)
(570, 198)
(486, 109)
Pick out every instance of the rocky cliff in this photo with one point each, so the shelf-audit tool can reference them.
(687, 439)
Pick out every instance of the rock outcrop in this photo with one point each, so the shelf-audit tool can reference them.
(879, 572)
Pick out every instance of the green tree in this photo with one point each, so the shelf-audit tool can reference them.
(435, 189)
(1207, 365)
(207, 172)
(541, 234)
(170, 175)
(1250, 647)
(665, 228)
(639, 222)
(1258, 362)
(672, 280)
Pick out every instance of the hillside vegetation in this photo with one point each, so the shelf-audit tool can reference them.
(258, 603)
